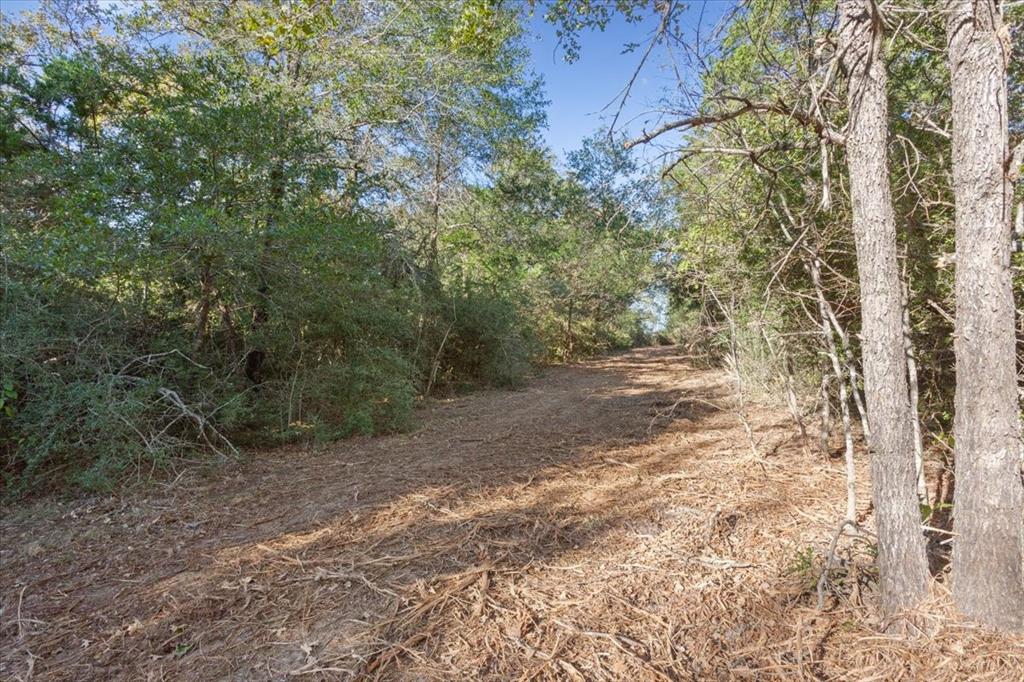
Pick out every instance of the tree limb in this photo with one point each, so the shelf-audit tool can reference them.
(746, 106)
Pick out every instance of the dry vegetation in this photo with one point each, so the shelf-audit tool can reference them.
(607, 522)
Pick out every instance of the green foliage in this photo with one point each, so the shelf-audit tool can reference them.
(572, 17)
(804, 567)
(98, 382)
(928, 509)
(475, 337)
(7, 397)
(290, 223)
(750, 225)
(576, 251)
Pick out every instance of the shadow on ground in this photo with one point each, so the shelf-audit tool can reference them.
(174, 582)
(610, 521)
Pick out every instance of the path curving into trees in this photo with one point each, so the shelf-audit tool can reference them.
(607, 521)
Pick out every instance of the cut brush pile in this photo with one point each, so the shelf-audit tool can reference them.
(608, 522)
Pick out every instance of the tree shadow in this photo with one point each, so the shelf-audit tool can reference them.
(939, 547)
(183, 583)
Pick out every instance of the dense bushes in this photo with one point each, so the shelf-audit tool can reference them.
(259, 233)
(105, 387)
(751, 243)
(473, 336)
(107, 384)
(100, 388)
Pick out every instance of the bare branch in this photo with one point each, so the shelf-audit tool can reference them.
(746, 106)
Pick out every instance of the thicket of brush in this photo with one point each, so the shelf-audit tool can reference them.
(288, 222)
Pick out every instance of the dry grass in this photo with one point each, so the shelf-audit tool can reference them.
(609, 522)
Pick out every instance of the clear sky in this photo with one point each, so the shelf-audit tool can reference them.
(584, 94)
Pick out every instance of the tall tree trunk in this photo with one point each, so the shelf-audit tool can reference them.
(255, 358)
(203, 307)
(569, 333)
(902, 565)
(988, 506)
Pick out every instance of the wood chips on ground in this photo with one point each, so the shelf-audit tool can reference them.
(607, 522)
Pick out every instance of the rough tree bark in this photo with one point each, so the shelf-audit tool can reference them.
(903, 568)
(988, 504)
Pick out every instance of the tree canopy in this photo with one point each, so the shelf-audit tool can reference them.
(232, 221)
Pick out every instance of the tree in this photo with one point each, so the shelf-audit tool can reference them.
(574, 248)
(902, 565)
(283, 223)
(765, 94)
(988, 583)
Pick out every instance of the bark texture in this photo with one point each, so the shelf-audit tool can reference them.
(903, 568)
(988, 582)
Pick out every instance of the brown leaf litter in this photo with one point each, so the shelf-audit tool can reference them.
(607, 522)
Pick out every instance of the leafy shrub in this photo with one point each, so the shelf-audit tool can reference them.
(98, 391)
(474, 337)
(370, 393)
(196, 253)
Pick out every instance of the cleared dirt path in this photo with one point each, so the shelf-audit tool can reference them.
(607, 522)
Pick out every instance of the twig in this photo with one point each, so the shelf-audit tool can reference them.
(830, 560)
(618, 640)
(21, 595)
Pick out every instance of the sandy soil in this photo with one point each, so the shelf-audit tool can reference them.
(609, 521)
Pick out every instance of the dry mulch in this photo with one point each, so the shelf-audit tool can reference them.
(608, 522)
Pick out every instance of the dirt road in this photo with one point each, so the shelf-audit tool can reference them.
(609, 521)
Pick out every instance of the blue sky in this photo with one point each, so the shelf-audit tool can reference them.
(583, 94)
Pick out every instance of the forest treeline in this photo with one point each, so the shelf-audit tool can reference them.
(229, 223)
